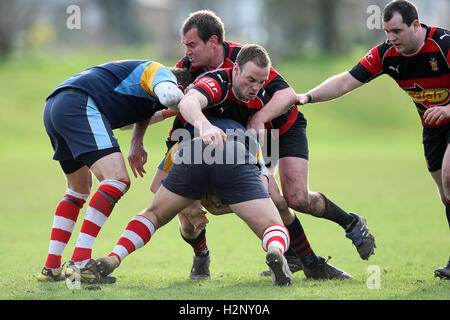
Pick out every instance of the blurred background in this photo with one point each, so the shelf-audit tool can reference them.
(286, 28)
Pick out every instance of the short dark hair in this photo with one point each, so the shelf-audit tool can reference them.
(406, 9)
(184, 77)
(255, 53)
(207, 23)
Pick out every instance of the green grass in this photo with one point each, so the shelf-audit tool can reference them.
(365, 155)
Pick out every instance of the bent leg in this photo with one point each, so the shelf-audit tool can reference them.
(64, 220)
(261, 215)
(111, 171)
(294, 183)
(164, 207)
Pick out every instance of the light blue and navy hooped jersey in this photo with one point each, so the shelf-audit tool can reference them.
(122, 90)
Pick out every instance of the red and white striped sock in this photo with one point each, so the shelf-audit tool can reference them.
(136, 235)
(100, 208)
(276, 236)
(66, 215)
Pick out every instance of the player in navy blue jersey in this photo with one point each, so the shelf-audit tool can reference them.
(231, 173)
(79, 117)
(417, 57)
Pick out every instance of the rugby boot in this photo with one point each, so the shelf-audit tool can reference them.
(200, 267)
(87, 274)
(444, 272)
(294, 263)
(281, 275)
(326, 271)
(107, 265)
(361, 237)
(47, 274)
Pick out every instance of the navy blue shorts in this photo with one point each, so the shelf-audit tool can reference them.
(232, 183)
(76, 126)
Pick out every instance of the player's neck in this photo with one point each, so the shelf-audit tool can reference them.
(218, 58)
(420, 41)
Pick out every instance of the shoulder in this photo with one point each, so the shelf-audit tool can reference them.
(231, 50)
(222, 76)
(441, 37)
(214, 84)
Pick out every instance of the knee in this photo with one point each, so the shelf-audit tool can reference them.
(283, 209)
(281, 204)
(299, 201)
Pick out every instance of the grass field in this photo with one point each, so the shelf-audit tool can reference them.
(365, 155)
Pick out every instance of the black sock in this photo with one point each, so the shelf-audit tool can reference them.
(334, 213)
(300, 245)
(198, 244)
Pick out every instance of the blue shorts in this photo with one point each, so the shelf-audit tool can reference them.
(232, 183)
(76, 126)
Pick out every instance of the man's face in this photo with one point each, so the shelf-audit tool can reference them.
(248, 80)
(198, 52)
(403, 38)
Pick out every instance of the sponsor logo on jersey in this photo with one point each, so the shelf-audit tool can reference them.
(429, 95)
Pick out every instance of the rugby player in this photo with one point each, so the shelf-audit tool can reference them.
(417, 57)
(79, 117)
(203, 36)
(237, 93)
(232, 173)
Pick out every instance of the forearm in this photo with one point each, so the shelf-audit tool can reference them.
(334, 87)
(280, 102)
(139, 129)
(191, 110)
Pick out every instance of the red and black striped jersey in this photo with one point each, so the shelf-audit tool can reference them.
(222, 102)
(424, 75)
(273, 84)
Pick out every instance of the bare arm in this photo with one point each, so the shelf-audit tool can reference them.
(332, 88)
(191, 109)
(280, 102)
(137, 155)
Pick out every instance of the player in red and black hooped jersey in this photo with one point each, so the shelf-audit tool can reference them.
(202, 34)
(239, 92)
(205, 50)
(424, 75)
(417, 57)
(275, 83)
(216, 86)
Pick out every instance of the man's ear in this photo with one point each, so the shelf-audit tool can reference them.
(236, 69)
(416, 25)
(180, 87)
(214, 40)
